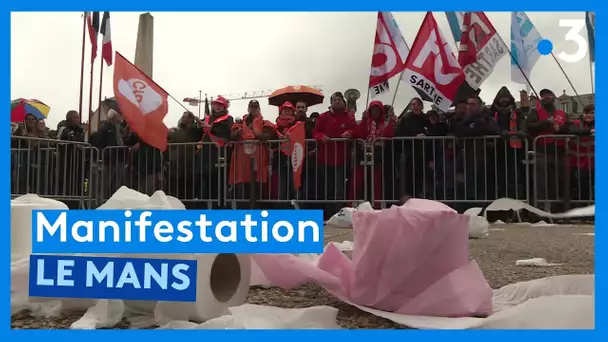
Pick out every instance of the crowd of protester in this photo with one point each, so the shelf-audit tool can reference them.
(475, 154)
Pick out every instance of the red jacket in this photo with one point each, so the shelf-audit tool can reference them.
(582, 151)
(560, 117)
(333, 125)
(382, 129)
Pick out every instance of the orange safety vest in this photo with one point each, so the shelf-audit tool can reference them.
(240, 166)
(207, 132)
(560, 118)
(514, 140)
(581, 151)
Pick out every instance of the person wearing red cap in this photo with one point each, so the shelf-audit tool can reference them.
(546, 119)
(216, 132)
(282, 175)
(332, 156)
(249, 163)
(374, 126)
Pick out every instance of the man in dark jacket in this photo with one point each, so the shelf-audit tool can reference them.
(511, 150)
(477, 151)
(72, 155)
(109, 142)
(146, 165)
(181, 156)
(411, 152)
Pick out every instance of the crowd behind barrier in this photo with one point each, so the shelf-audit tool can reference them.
(461, 172)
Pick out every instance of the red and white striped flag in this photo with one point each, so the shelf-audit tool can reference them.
(390, 53)
(106, 47)
(93, 26)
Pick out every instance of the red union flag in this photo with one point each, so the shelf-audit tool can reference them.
(480, 48)
(142, 102)
(390, 52)
(431, 67)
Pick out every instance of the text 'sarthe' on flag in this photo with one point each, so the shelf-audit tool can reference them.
(142, 102)
(390, 53)
(480, 48)
(431, 68)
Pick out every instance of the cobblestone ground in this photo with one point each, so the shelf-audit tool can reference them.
(571, 246)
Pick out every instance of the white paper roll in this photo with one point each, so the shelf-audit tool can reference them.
(222, 281)
(21, 222)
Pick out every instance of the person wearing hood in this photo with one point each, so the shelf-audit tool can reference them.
(71, 155)
(511, 151)
(332, 155)
(212, 152)
(249, 162)
(545, 119)
(282, 186)
(581, 154)
(413, 124)
(373, 127)
(181, 155)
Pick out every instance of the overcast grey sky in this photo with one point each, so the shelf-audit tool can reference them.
(228, 53)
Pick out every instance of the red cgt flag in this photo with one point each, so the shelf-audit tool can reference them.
(296, 149)
(142, 102)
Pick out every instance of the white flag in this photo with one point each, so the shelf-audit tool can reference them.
(390, 53)
(524, 46)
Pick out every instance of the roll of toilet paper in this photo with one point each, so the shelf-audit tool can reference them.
(222, 282)
(125, 198)
(21, 222)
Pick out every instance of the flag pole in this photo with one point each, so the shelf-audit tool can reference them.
(100, 89)
(200, 99)
(84, 29)
(91, 95)
(397, 89)
(518, 65)
(591, 74)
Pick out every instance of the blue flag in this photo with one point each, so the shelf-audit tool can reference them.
(590, 21)
(455, 21)
(524, 47)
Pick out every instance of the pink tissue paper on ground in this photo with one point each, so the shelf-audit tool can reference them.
(411, 260)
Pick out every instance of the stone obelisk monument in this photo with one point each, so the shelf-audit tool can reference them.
(144, 50)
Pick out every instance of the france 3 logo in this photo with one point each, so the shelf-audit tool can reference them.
(576, 35)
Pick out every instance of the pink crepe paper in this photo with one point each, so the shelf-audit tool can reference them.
(410, 260)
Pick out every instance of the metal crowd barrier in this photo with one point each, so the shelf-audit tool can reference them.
(565, 174)
(52, 168)
(335, 173)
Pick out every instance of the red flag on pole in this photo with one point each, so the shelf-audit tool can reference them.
(93, 25)
(142, 102)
